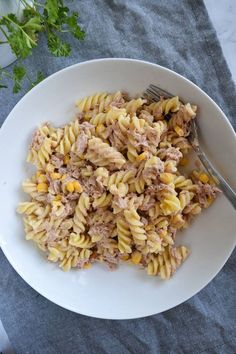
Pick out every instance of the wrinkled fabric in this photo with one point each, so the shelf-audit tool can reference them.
(176, 34)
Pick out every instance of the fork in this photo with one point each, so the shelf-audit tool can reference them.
(154, 93)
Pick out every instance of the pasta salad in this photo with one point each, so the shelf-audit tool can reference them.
(108, 185)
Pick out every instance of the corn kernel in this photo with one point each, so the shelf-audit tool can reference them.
(132, 188)
(64, 177)
(142, 156)
(209, 201)
(163, 233)
(179, 130)
(100, 128)
(125, 257)
(183, 161)
(55, 175)
(56, 203)
(42, 187)
(87, 116)
(166, 177)
(213, 181)
(57, 197)
(70, 187)
(66, 159)
(136, 257)
(87, 266)
(77, 186)
(38, 173)
(42, 178)
(148, 227)
(203, 177)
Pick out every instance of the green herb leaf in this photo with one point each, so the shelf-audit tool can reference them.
(20, 44)
(72, 22)
(33, 24)
(30, 12)
(19, 73)
(51, 17)
(20, 41)
(40, 77)
(51, 8)
(57, 47)
(2, 74)
(62, 14)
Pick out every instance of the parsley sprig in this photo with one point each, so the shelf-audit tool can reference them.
(50, 17)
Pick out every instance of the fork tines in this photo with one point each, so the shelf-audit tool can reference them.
(160, 91)
(155, 93)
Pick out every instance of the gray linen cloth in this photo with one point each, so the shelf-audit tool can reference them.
(176, 34)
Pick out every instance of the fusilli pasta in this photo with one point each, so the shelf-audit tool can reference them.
(108, 186)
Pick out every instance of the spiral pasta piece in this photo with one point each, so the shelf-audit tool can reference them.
(166, 263)
(178, 221)
(164, 106)
(28, 207)
(138, 124)
(185, 198)
(103, 201)
(81, 211)
(124, 236)
(192, 209)
(100, 101)
(123, 124)
(154, 242)
(117, 183)
(70, 260)
(41, 156)
(138, 185)
(102, 154)
(81, 241)
(38, 237)
(85, 254)
(132, 153)
(67, 143)
(170, 205)
(55, 134)
(170, 166)
(35, 222)
(108, 118)
(120, 176)
(133, 105)
(154, 211)
(136, 226)
(179, 142)
(55, 254)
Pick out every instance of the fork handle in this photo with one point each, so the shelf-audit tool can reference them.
(224, 186)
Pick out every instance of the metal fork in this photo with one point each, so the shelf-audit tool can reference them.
(154, 93)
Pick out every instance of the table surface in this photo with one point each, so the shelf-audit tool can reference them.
(223, 16)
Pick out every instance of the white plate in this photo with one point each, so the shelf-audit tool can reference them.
(128, 292)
